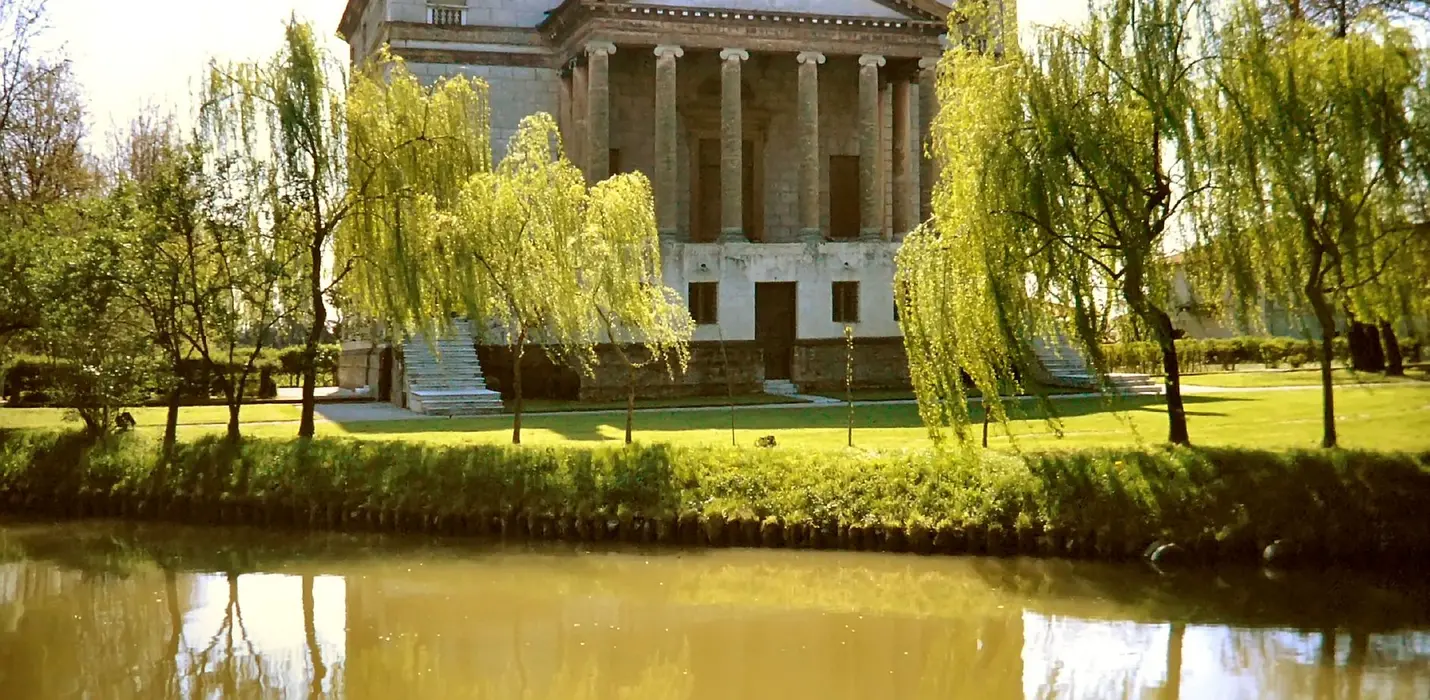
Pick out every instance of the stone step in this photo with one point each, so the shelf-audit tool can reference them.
(780, 387)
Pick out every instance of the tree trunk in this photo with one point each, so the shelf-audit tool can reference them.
(630, 400)
(310, 633)
(1394, 361)
(1328, 335)
(235, 404)
(1160, 325)
(306, 426)
(171, 420)
(516, 388)
(1363, 340)
(1173, 689)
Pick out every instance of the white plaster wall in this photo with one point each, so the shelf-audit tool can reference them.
(494, 13)
(737, 267)
(515, 92)
(854, 8)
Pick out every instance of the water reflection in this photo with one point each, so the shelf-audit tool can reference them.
(119, 612)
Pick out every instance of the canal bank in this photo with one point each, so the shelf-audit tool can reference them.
(1346, 508)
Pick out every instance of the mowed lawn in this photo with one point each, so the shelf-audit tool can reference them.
(1385, 417)
(1393, 416)
(1303, 377)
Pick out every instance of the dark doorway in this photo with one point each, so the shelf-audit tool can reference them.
(774, 326)
(844, 196)
(705, 193)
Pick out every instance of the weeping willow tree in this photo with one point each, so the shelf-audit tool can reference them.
(285, 119)
(644, 319)
(1315, 135)
(1065, 170)
(528, 252)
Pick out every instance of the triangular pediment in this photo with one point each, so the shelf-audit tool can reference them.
(879, 9)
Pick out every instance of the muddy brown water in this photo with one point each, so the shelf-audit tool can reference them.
(115, 610)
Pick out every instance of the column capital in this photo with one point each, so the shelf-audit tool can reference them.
(602, 47)
(741, 54)
(669, 50)
(815, 57)
(870, 59)
(928, 62)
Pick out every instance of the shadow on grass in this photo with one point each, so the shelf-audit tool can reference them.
(609, 427)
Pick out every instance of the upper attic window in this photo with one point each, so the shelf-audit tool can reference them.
(446, 14)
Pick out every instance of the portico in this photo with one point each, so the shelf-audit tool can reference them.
(784, 140)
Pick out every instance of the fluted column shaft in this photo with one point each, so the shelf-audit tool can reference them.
(905, 199)
(870, 211)
(928, 109)
(598, 139)
(580, 97)
(732, 141)
(809, 145)
(665, 140)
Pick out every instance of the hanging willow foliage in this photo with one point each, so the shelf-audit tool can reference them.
(1318, 195)
(1063, 170)
(526, 250)
(414, 147)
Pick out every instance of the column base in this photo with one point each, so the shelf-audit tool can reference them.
(811, 235)
(871, 235)
(669, 236)
(733, 235)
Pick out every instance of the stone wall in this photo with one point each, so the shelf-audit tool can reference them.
(879, 363)
(495, 13)
(515, 92)
(704, 374)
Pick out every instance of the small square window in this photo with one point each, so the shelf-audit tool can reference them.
(704, 302)
(446, 15)
(846, 302)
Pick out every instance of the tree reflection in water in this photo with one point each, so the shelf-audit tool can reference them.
(353, 617)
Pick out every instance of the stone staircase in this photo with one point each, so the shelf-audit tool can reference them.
(780, 387)
(450, 382)
(1067, 367)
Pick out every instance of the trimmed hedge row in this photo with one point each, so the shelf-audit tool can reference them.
(31, 379)
(1354, 508)
(1209, 354)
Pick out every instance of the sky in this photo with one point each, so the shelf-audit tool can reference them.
(127, 54)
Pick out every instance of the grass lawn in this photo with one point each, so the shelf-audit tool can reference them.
(1303, 377)
(151, 416)
(1393, 417)
(552, 406)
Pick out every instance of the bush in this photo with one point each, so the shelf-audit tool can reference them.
(33, 380)
(1230, 500)
(1204, 354)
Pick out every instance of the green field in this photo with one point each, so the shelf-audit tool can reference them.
(1303, 377)
(1386, 417)
(1373, 416)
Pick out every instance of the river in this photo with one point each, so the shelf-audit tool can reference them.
(114, 610)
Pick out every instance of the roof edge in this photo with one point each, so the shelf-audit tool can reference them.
(352, 15)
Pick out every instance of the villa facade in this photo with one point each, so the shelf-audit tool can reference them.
(783, 139)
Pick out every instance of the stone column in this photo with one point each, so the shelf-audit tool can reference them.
(665, 140)
(732, 143)
(928, 109)
(905, 202)
(809, 230)
(580, 96)
(598, 105)
(871, 213)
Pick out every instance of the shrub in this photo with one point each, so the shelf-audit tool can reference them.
(1348, 500)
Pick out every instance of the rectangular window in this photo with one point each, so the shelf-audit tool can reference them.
(846, 302)
(704, 302)
(446, 14)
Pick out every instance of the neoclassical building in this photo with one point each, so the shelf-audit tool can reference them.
(783, 139)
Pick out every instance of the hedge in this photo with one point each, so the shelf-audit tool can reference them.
(1210, 354)
(1217, 504)
(31, 379)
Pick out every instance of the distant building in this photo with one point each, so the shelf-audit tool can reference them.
(783, 139)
